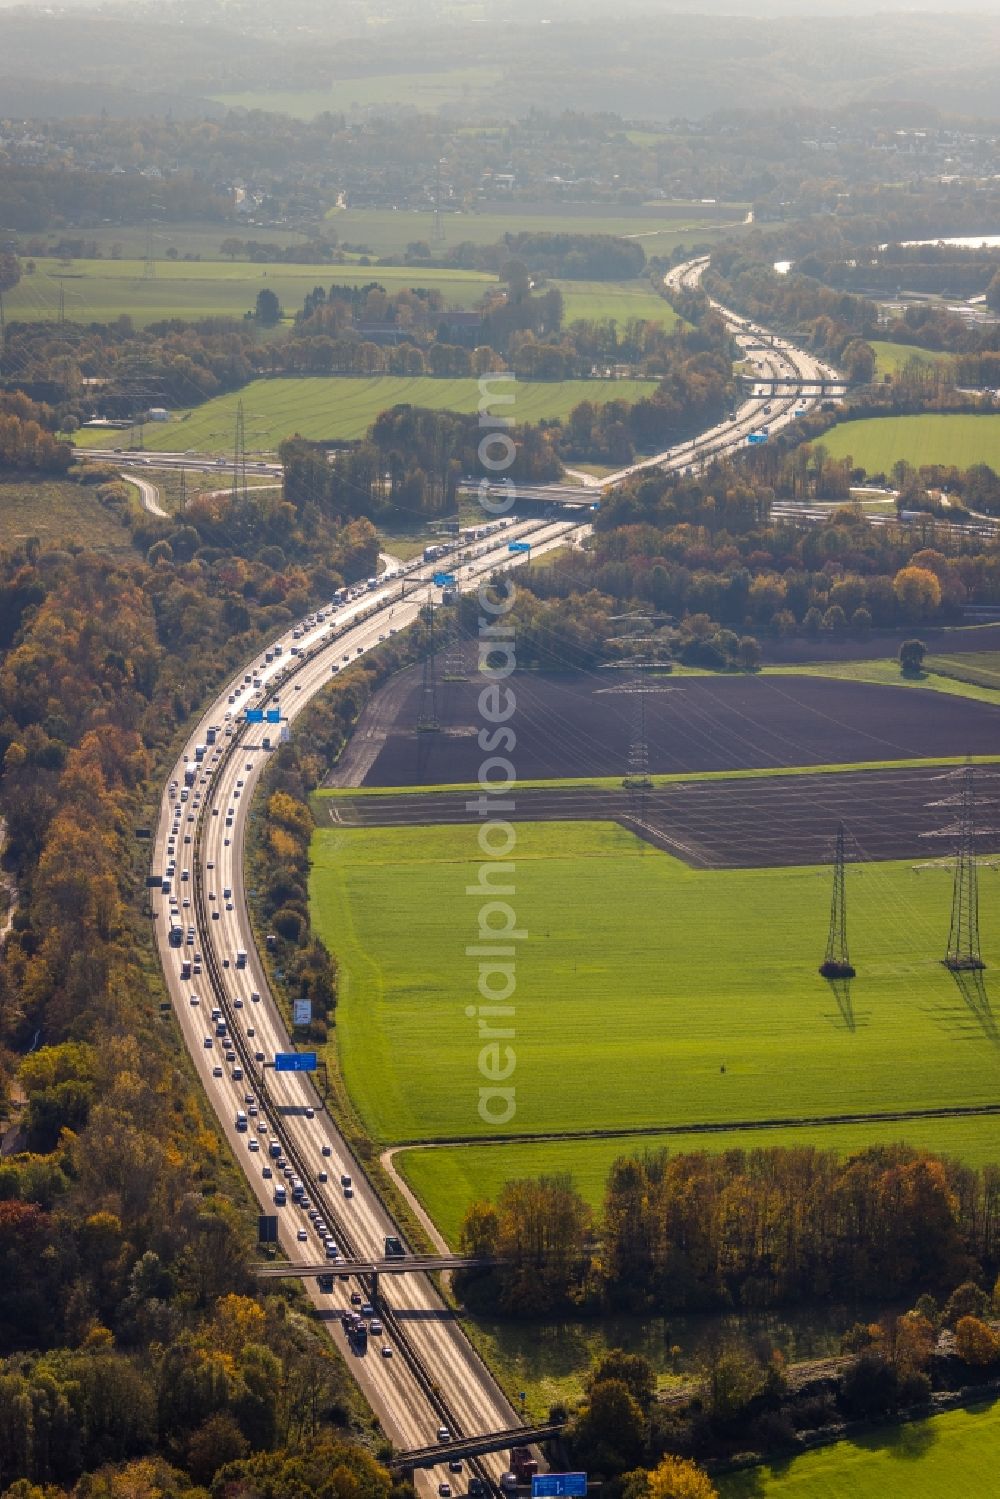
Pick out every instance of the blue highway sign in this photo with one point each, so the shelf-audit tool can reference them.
(295, 1061)
(519, 546)
(559, 1486)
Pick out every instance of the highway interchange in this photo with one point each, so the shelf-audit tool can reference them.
(421, 1372)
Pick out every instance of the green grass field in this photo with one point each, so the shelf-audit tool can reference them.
(612, 783)
(598, 301)
(617, 991)
(427, 92)
(59, 512)
(875, 445)
(890, 358)
(978, 669)
(447, 1178)
(550, 1361)
(659, 228)
(939, 1458)
(95, 290)
(342, 406)
(941, 674)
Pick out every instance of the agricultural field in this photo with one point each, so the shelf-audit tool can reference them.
(196, 237)
(59, 512)
(660, 226)
(890, 358)
(616, 990)
(954, 1453)
(97, 290)
(876, 444)
(713, 820)
(600, 301)
(344, 406)
(427, 92)
(447, 1178)
(580, 725)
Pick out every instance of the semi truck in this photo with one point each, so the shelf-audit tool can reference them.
(522, 1465)
(356, 1329)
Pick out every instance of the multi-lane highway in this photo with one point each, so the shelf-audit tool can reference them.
(774, 359)
(419, 1371)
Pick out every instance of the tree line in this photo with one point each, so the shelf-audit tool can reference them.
(705, 551)
(742, 1228)
(136, 1346)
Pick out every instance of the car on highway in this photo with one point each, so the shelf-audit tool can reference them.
(253, 1145)
(302, 1236)
(217, 1071)
(443, 1434)
(387, 1350)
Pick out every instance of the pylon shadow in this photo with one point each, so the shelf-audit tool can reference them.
(424, 739)
(841, 990)
(971, 984)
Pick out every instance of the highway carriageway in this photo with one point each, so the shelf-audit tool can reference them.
(394, 1265)
(496, 1441)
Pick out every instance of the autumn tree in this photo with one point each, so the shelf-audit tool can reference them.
(918, 593)
(976, 1343)
(679, 1478)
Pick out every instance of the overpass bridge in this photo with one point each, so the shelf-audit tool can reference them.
(781, 385)
(394, 1264)
(496, 1441)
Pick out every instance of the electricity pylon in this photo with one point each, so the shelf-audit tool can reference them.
(427, 720)
(239, 454)
(837, 963)
(964, 952)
